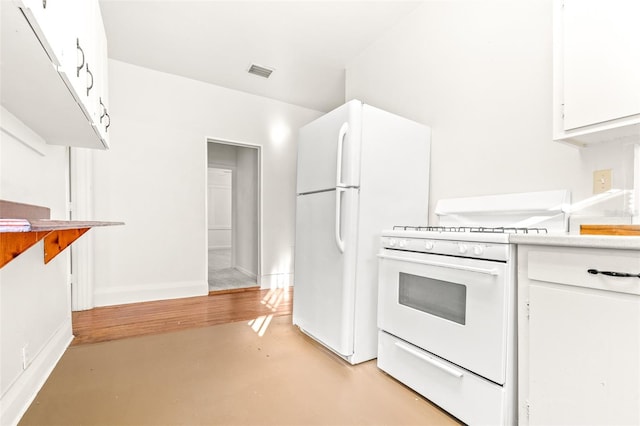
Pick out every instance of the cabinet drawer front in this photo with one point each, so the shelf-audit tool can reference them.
(569, 266)
(468, 397)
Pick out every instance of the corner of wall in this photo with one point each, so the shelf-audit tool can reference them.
(16, 400)
(273, 281)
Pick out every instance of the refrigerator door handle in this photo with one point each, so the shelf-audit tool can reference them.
(339, 240)
(341, 136)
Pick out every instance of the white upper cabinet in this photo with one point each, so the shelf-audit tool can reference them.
(77, 51)
(101, 82)
(59, 91)
(596, 71)
(45, 17)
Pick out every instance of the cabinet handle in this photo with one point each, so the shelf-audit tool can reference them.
(90, 74)
(613, 274)
(109, 123)
(104, 110)
(79, 67)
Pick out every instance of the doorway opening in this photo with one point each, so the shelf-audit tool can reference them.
(233, 216)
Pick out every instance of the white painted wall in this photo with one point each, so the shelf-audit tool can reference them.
(222, 155)
(35, 310)
(246, 227)
(154, 179)
(219, 208)
(480, 74)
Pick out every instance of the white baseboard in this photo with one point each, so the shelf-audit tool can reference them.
(246, 272)
(22, 392)
(149, 292)
(276, 281)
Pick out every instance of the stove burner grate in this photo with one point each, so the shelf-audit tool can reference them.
(480, 229)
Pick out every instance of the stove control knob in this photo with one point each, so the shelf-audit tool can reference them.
(392, 242)
(478, 250)
(402, 243)
(462, 248)
(428, 245)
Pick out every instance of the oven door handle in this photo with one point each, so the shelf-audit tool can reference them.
(429, 360)
(443, 265)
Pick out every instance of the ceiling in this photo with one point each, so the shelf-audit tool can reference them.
(308, 43)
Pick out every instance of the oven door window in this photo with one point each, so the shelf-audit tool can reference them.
(443, 299)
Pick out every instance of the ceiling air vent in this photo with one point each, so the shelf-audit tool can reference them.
(260, 70)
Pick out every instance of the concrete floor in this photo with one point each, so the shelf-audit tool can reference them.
(261, 372)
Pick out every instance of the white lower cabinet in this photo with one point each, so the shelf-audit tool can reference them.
(579, 336)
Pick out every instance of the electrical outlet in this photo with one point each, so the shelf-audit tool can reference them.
(601, 181)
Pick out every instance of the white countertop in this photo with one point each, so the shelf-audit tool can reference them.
(572, 240)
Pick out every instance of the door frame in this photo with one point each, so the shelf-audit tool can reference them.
(258, 149)
(79, 170)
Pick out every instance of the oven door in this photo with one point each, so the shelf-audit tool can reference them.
(453, 307)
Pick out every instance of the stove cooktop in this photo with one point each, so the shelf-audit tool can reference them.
(479, 229)
(498, 235)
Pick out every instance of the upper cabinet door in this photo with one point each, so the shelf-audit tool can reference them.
(61, 91)
(597, 70)
(601, 61)
(44, 17)
(77, 50)
(101, 92)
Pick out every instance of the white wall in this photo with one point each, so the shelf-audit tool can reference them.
(154, 179)
(480, 74)
(246, 227)
(35, 309)
(221, 155)
(219, 208)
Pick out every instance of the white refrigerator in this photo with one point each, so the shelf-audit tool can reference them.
(360, 170)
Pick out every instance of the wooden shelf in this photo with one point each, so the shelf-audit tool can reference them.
(57, 235)
(18, 235)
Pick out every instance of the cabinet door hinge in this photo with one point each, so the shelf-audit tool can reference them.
(527, 409)
(528, 308)
(562, 110)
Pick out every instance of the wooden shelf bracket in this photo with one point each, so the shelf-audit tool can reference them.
(14, 243)
(56, 241)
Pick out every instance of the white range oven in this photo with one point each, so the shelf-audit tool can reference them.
(446, 303)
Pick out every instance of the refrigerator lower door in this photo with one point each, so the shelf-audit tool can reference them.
(325, 257)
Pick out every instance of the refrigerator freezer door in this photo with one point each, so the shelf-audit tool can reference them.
(323, 299)
(329, 150)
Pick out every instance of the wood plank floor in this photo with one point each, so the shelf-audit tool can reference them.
(137, 319)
